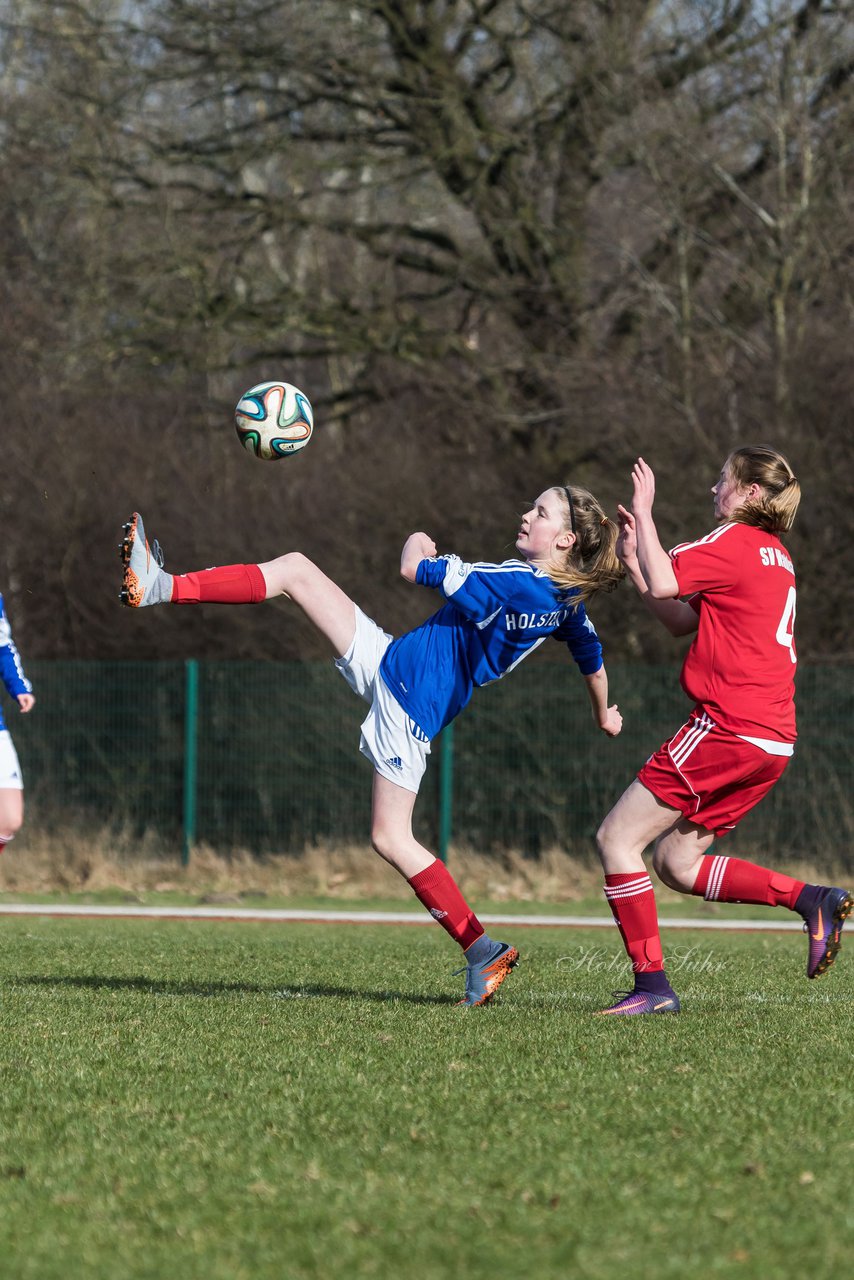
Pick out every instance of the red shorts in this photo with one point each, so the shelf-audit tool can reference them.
(710, 775)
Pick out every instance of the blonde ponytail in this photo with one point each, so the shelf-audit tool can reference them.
(776, 509)
(591, 563)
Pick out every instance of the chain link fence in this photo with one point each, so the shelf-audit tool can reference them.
(263, 756)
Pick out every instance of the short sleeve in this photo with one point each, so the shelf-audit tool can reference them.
(713, 563)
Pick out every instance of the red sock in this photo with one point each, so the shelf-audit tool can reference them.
(437, 890)
(733, 880)
(229, 584)
(632, 902)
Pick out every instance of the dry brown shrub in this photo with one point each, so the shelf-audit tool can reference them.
(101, 862)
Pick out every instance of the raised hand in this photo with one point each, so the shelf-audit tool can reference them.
(627, 539)
(643, 480)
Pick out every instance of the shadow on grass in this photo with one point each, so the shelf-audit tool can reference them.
(159, 987)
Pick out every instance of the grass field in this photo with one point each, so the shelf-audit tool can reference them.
(235, 1101)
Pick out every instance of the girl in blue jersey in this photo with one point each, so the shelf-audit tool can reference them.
(11, 781)
(495, 615)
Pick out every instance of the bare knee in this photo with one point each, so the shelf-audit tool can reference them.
(603, 839)
(378, 843)
(382, 842)
(662, 869)
(8, 831)
(289, 575)
(617, 852)
(676, 873)
(11, 814)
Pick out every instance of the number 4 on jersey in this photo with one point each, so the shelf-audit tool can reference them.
(786, 627)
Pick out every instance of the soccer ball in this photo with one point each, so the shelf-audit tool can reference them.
(273, 420)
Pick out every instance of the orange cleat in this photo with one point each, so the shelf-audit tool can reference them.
(144, 581)
(483, 980)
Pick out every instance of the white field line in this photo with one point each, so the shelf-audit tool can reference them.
(275, 915)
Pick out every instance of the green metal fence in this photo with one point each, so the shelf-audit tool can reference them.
(264, 757)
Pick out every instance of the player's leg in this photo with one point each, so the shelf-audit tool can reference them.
(391, 828)
(146, 582)
(11, 790)
(321, 600)
(637, 819)
(731, 776)
(678, 855)
(719, 878)
(488, 962)
(11, 814)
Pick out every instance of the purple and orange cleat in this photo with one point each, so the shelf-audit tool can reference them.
(823, 925)
(633, 1002)
(484, 979)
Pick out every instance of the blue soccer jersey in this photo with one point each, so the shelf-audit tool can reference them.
(495, 616)
(11, 670)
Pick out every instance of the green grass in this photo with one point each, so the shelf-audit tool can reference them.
(669, 904)
(244, 1102)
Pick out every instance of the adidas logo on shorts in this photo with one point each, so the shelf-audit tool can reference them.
(396, 763)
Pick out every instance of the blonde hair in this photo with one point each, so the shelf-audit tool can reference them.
(776, 509)
(591, 563)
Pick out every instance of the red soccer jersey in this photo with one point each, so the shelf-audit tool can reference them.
(741, 665)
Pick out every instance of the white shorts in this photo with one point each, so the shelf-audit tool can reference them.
(394, 744)
(10, 770)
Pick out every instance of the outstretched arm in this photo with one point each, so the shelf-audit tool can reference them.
(418, 547)
(655, 563)
(608, 718)
(11, 670)
(679, 618)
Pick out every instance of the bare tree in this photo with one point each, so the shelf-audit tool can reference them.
(499, 241)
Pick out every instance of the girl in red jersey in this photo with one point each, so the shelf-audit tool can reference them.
(734, 590)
